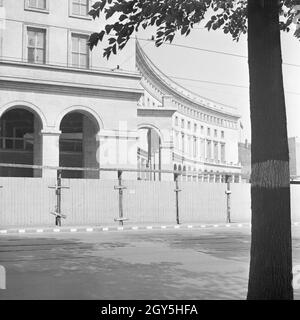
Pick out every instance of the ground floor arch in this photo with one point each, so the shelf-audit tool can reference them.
(149, 152)
(79, 145)
(20, 141)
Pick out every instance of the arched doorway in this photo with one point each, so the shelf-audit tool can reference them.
(149, 152)
(184, 177)
(20, 142)
(195, 175)
(175, 169)
(200, 176)
(78, 145)
(180, 169)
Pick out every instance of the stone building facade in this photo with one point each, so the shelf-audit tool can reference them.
(190, 133)
(62, 105)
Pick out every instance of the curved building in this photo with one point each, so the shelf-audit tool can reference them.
(64, 106)
(181, 130)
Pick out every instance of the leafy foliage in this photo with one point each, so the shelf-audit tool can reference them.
(171, 16)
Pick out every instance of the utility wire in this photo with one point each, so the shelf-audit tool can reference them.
(166, 43)
(213, 51)
(222, 84)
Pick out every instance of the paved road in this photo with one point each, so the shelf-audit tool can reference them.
(175, 264)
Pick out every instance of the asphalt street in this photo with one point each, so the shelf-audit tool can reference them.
(148, 264)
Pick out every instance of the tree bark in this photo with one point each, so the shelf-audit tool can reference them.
(270, 275)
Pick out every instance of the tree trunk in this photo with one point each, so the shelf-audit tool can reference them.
(270, 274)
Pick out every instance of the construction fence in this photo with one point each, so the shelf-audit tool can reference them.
(30, 202)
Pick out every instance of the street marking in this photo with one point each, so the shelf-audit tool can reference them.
(56, 230)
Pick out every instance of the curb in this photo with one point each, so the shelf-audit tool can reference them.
(126, 228)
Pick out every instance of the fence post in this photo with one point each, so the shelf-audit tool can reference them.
(228, 193)
(58, 199)
(177, 190)
(120, 187)
(57, 213)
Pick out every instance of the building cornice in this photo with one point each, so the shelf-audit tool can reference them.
(155, 112)
(103, 72)
(48, 86)
(181, 158)
(168, 86)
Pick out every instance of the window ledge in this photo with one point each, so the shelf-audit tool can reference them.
(80, 17)
(46, 11)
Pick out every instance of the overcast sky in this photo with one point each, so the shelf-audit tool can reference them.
(188, 63)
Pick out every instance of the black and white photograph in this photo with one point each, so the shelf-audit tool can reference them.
(149, 153)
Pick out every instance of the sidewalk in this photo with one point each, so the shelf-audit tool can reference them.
(117, 227)
(125, 227)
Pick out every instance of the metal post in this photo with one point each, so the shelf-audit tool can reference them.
(58, 199)
(149, 153)
(177, 190)
(120, 198)
(57, 212)
(159, 159)
(120, 187)
(228, 193)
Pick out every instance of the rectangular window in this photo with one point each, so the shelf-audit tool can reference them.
(182, 143)
(202, 150)
(176, 121)
(80, 51)
(216, 152)
(215, 133)
(36, 45)
(80, 7)
(189, 125)
(195, 127)
(222, 134)
(208, 131)
(223, 152)
(202, 130)
(36, 4)
(208, 149)
(195, 151)
(182, 123)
